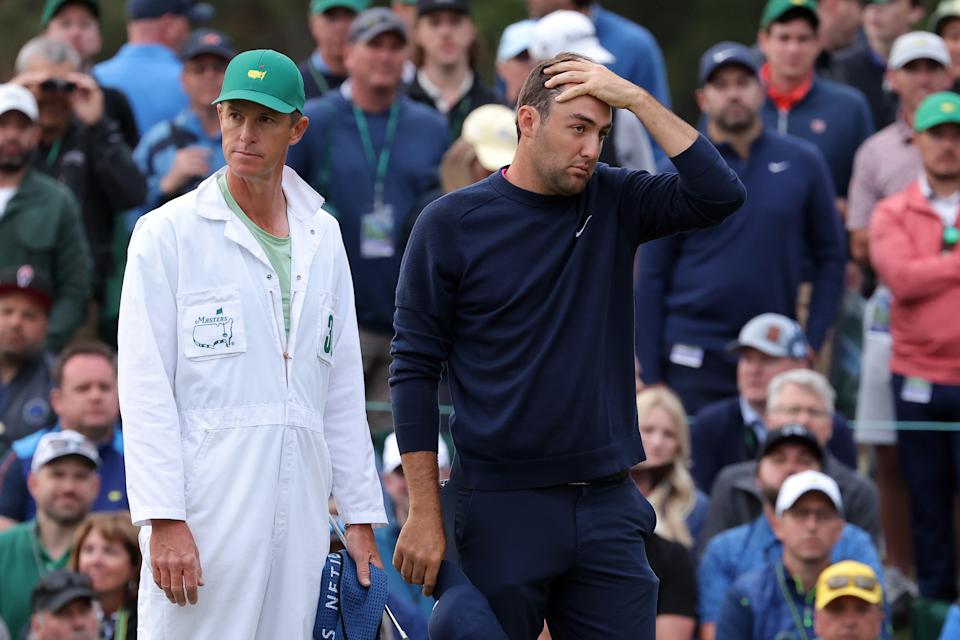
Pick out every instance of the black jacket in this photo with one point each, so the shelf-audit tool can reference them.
(96, 163)
(477, 96)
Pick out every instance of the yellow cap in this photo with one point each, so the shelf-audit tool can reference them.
(848, 578)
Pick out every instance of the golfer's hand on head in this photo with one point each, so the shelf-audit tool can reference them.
(590, 78)
(175, 561)
(362, 547)
(420, 550)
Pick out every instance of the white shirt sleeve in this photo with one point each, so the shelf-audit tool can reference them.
(147, 358)
(356, 484)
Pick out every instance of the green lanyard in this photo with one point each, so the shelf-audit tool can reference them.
(120, 629)
(456, 121)
(782, 581)
(378, 163)
(319, 78)
(54, 152)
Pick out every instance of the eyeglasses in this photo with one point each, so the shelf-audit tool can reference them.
(795, 411)
(861, 582)
(820, 515)
(57, 85)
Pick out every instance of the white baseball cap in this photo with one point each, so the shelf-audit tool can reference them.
(800, 484)
(773, 334)
(515, 40)
(918, 45)
(391, 454)
(492, 132)
(567, 31)
(59, 444)
(14, 97)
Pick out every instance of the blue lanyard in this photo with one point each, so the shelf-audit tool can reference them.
(379, 162)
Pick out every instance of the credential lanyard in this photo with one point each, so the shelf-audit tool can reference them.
(377, 163)
(785, 591)
(319, 78)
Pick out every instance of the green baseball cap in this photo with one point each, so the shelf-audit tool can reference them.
(776, 8)
(266, 77)
(938, 108)
(52, 7)
(321, 6)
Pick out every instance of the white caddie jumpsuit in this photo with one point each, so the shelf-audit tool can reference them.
(232, 425)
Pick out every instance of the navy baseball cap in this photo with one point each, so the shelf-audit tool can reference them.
(727, 53)
(461, 612)
(208, 42)
(792, 433)
(346, 609)
(196, 13)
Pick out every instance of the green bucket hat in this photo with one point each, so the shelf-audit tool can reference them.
(52, 7)
(776, 8)
(320, 6)
(266, 77)
(938, 108)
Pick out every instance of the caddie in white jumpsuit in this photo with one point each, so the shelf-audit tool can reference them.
(241, 384)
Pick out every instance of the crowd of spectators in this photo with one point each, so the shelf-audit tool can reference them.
(779, 514)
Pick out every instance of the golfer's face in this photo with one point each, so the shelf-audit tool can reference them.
(255, 138)
(569, 141)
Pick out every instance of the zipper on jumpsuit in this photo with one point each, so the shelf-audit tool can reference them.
(281, 334)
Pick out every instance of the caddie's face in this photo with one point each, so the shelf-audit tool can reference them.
(566, 145)
(849, 618)
(939, 149)
(255, 138)
(790, 47)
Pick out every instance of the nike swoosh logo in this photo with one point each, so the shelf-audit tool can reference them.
(777, 167)
(720, 56)
(577, 235)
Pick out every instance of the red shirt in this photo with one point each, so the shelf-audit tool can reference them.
(784, 101)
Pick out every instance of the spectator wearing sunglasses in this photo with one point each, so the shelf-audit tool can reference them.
(849, 603)
(778, 600)
(82, 147)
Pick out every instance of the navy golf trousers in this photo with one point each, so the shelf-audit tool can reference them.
(573, 555)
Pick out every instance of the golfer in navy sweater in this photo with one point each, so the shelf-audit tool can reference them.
(522, 285)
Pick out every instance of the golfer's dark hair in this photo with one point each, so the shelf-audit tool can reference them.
(82, 349)
(536, 95)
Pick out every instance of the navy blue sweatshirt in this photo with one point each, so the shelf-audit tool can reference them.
(528, 300)
(701, 288)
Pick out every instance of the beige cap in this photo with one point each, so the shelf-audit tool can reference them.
(492, 132)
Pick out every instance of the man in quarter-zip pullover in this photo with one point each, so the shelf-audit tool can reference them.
(242, 388)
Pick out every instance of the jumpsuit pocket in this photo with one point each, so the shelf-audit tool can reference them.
(328, 328)
(211, 323)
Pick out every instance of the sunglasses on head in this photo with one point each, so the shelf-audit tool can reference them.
(861, 582)
(54, 85)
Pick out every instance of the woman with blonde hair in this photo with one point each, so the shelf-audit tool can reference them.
(664, 477)
(105, 548)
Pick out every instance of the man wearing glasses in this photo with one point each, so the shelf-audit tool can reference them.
(778, 600)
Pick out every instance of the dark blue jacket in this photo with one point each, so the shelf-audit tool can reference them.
(332, 159)
(527, 299)
(718, 438)
(834, 117)
(700, 288)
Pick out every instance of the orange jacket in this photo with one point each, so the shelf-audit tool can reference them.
(906, 237)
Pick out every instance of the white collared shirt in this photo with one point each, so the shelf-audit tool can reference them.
(946, 207)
